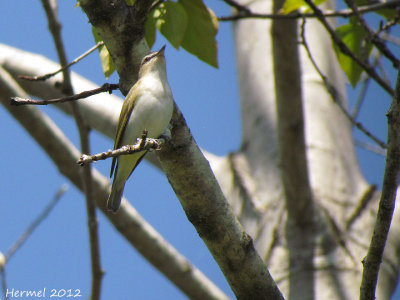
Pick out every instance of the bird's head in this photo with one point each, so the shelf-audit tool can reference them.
(152, 61)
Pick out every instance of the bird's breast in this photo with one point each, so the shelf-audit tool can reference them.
(152, 112)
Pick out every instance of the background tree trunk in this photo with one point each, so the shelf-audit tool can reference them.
(345, 205)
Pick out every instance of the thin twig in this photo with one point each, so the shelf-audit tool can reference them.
(94, 244)
(373, 260)
(385, 30)
(382, 70)
(371, 36)
(364, 88)
(97, 272)
(19, 242)
(360, 98)
(370, 147)
(143, 144)
(334, 93)
(345, 50)
(49, 75)
(345, 13)
(362, 205)
(50, 8)
(391, 39)
(107, 87)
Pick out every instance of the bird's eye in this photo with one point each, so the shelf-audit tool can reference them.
(146, 59)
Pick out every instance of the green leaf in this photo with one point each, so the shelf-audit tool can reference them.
(105, 58)
(172, 22)
(202, 27)
(353, 36)
(150, 29)
(129, 2)
(292, 5)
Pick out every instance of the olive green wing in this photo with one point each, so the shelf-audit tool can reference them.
(124, 116)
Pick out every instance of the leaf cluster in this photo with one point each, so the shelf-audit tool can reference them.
(185, 23)
(355, 35)
(188, 24)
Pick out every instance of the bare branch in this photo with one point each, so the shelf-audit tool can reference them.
(143, 144)
(384, 30)
(49, 75)
(97, 272)
(360, 98)
(345, 13)
(362, 205)
(107, 87)
(55, 29)
(345, 50)
(36, 222)
(371, 36)
(370, 147)
(374, 257)
(50, 7)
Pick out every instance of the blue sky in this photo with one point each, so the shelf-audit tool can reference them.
(57, 255)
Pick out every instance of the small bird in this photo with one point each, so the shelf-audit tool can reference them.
(148, 106)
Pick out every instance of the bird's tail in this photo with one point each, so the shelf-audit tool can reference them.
(114, 200)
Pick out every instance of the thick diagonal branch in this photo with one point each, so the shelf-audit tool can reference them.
(197, 189)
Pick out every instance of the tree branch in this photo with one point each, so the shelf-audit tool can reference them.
(205, 206)
(345, 13)
(371, 36)
(49, 75)
(342, 46)
(107, 87)
(143, 144)
(50, 7)
(35, 223)
(387, 202)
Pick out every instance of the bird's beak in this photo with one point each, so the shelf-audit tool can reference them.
(161, 51)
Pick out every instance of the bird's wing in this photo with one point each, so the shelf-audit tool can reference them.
(124, 116)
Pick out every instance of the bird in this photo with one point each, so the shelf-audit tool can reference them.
(148, 106)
